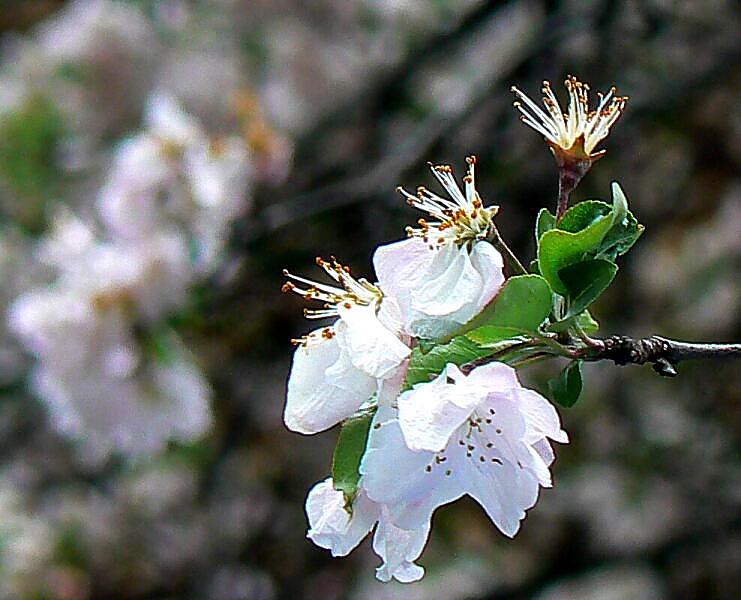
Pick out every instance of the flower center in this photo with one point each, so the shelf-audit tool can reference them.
(352, 292)
(460, 219)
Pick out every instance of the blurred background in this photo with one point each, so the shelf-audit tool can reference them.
(162, 161)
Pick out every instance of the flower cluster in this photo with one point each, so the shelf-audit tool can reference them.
(479, 433)
(111, 375)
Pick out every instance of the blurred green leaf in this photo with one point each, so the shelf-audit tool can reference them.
(566, 387)
(585, 281)
(28, 140)
(349, 452)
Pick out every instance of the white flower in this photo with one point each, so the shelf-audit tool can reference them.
(445, 273)
(331, 526)
(578, 131)
(483, 435)
(335, 369)
(438, 290)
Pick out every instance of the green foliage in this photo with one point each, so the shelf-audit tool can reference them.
(424, 367)
(566, 387)
(589, 230)
(523, 303)
(545, 222)
(560, 248)
(585, 281)
(584, 320)
(349, 452)
(28, 141)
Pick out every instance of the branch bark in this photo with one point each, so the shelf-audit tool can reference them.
(662, 353)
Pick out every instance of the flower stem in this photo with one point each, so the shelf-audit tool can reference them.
(496, 240)
(571, 169)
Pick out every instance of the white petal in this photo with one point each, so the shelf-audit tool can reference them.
(168, 121)
(397, 477)
(452, 282)
(540, 416)
(488, 262)
(314, 400)
(399, 267)
(495, 377)
(330, 525)
(431, 412)
(399, 548)
(505, 494)
(372, 348)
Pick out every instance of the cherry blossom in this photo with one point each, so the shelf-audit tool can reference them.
(579, 130)
(446, 272)
(334, 527)
(337, 368)
(483, 435)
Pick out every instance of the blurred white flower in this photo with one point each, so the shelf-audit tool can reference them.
(98, 382)
(172, 176)
(333, 527)
(27, 544)
(335, 369)
(483, 435)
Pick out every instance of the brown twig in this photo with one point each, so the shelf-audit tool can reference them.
(662, 352)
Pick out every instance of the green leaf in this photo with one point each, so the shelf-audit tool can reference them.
(488, 335)
(29, 138)
(566, 388)
(349, 452)
(590, 229)
(523, 303)
(424, 367)
(624, 231)
(582, 215)
(584, 319)
(585, 281)
(559, 249)
(545, 222)
(587, 322)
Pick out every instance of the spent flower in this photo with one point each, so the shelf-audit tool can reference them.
(577, 131)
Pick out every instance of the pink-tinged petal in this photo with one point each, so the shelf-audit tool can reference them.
(541, 417)
(431, 412)
(331, 526)
(505, 491)
(400, 479)
(313, 402)
(488, 262)
(399, 548)
(400, 267)
(372, 348)
(494, 377)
